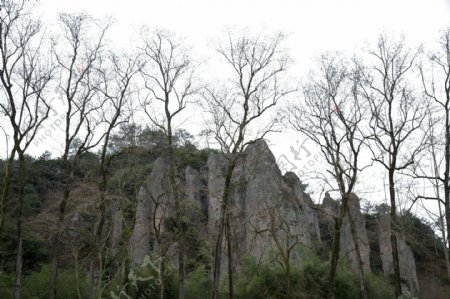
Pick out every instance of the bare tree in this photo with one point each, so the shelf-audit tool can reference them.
(397, 115)
(333, 116)
(163, 238)
(77, 59)
(429, 169)
(113, 87)
(282, 230)
(24, 78)
(168, 82)
(436, 85)
(257, 64)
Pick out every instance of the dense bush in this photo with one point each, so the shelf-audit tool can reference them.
(36, 285)
(198, 284)
(309, 279)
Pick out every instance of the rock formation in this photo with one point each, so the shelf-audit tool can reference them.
(258, 190)
(330, 208)
(347, 243)
(154, 193)
(266, 207)
(408, 270)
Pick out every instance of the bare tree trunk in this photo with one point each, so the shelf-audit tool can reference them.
(288, 278)
(393, 214)
(181, 269)
(96, 246)
(57, 244)
(54, 275)
(446, 244)
(335, 251)
(91, 277)
(19, 258)
(223, 213)
(218, 254)
(178, 209)
(162, 267)
(447, 220)
(447, 175)
(362, 278)
(6, 187)
(19, 263)
(229, 253)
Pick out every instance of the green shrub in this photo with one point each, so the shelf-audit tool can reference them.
(309, 279)
(347, 284)
(378, 287)
(198, 284)
(36, 285)
(144, 283)
(6, 285)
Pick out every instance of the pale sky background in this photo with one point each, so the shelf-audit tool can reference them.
(313, 26)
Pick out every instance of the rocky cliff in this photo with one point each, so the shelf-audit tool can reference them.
(260, 196)
(267, 209)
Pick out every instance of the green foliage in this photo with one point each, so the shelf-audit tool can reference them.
(419, 234)
(420, 237)
(35, 286)
(265, 280)
(189, 155)
(144, 282)
(6, 285)
(32, 202)
(347, 284)
(309, 279)
(314, 279)
(198, 284)
(34, 249)
(378, 287)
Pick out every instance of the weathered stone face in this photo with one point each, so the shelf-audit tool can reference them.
(408, 270)
(261, 199)
(305, 213)
(330, 209)
(260, 196)
(347, 242)
(116, 234)
(153, 193)
(330, 206)
(216, 179)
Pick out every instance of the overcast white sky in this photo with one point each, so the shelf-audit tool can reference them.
(313, 26)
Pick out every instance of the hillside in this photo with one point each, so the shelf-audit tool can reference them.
(282, 240)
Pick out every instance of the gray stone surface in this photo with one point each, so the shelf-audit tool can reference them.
(258, 191)
(347, 242)
(408, 269)
(330, 210)
(116, 235)
(330, 206)
(154, 190)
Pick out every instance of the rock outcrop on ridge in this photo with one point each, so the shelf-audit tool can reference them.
(260, 195)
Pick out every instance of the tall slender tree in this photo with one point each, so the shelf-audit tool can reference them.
(25, 74)
(78, 52)
(397, 115)
(114, 89)
(333, 115)
(435, 76)
(257, 65)
(168, 81)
